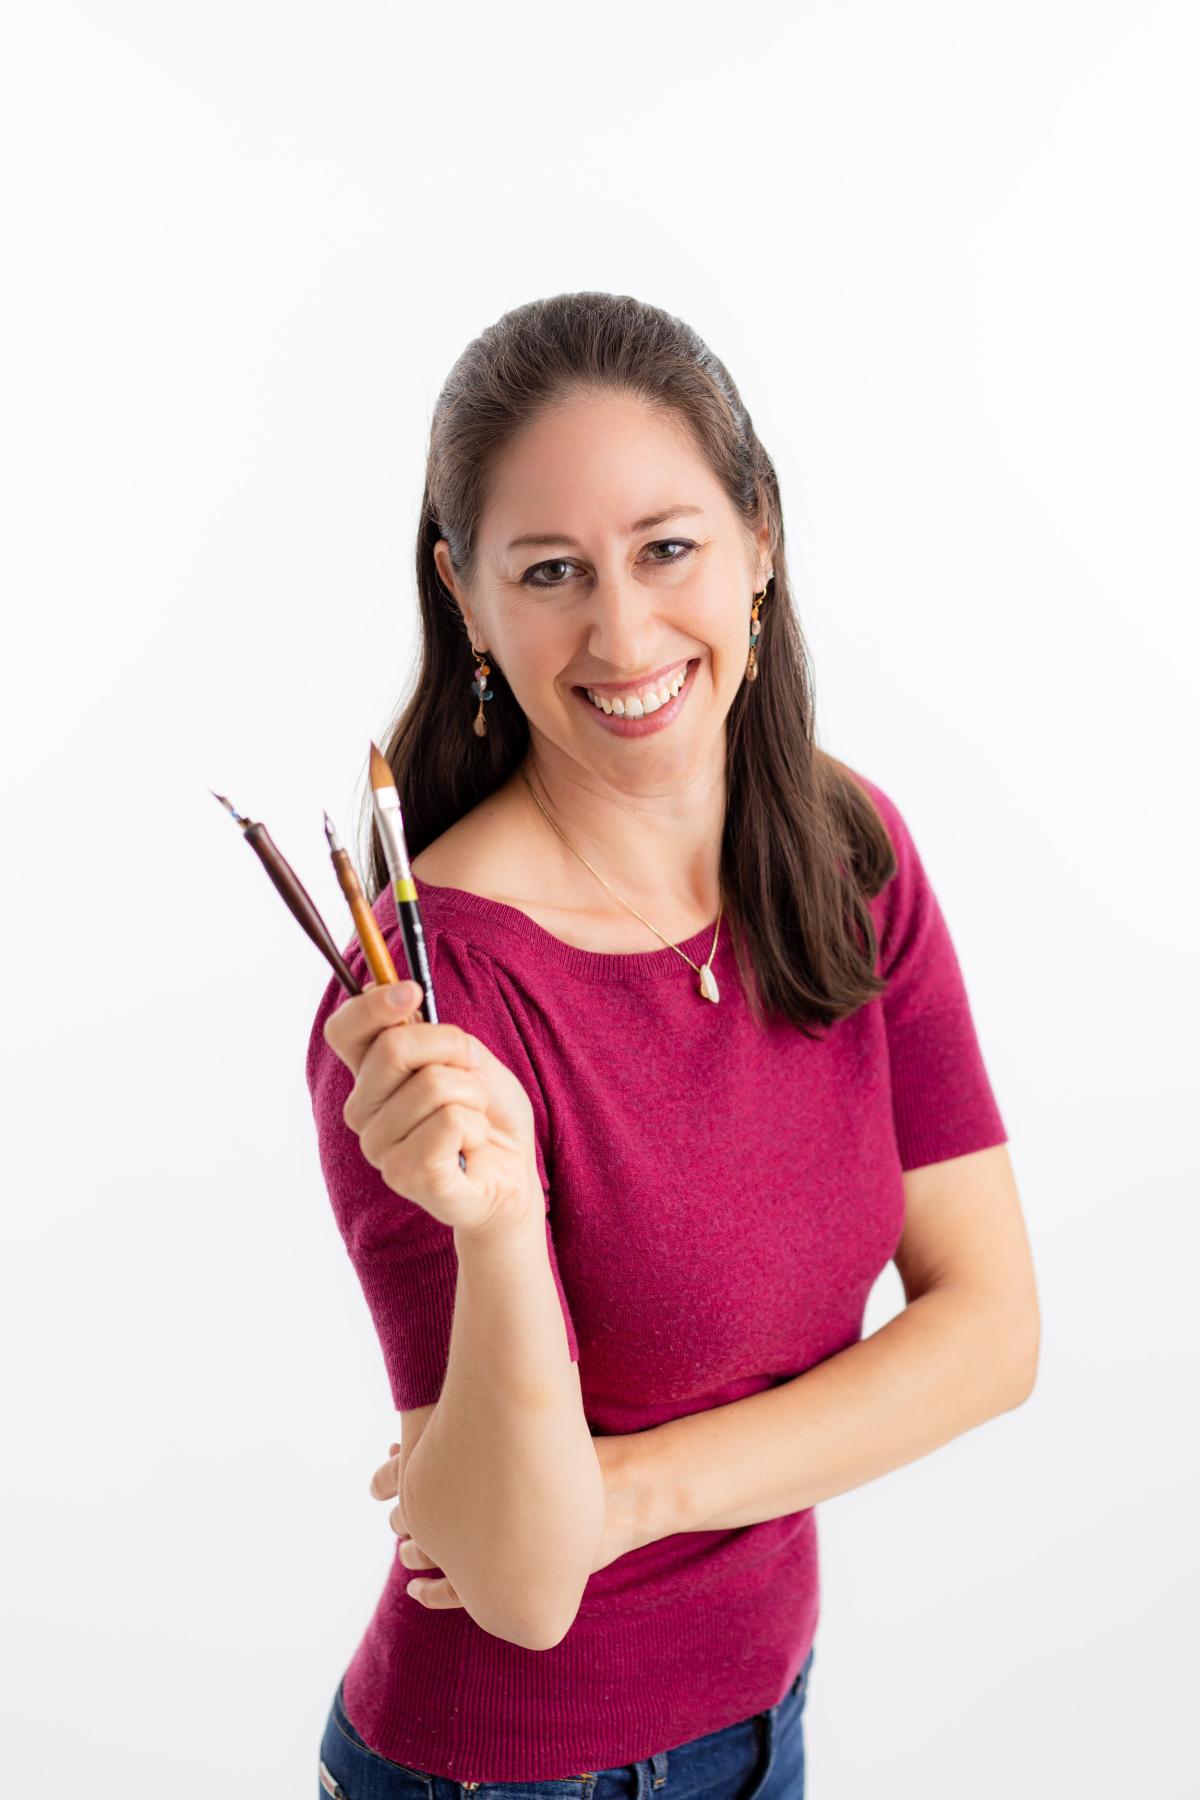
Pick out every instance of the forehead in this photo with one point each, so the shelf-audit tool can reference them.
(589, 467)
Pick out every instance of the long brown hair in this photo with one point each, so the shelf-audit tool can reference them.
(803, 847)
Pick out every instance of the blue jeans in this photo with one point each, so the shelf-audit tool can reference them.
(759, 1758)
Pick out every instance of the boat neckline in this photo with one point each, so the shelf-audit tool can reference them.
(622, 965)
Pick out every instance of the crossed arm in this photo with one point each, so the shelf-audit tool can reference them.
(963, 1349)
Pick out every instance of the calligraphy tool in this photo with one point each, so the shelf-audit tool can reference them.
(374, 946)
(299, 901)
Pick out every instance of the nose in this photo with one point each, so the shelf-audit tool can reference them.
(622, 631)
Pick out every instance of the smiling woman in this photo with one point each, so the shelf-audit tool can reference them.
(611, 422)
(711, 956)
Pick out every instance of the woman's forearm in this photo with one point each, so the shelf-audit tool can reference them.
(503, 1487)
(944, 1364)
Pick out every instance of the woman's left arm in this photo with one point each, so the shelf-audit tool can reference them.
(964, 1349)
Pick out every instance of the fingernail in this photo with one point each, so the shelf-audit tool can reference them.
(403, 994)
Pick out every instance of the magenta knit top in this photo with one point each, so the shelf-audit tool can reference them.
(720, 1199)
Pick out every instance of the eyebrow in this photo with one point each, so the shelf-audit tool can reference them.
(543, 538)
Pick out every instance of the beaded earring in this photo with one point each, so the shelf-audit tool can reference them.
(480, 688)
(752, 659)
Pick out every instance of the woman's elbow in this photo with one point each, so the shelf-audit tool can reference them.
(1026, 1352)
(527, 1629)
(555, 1617)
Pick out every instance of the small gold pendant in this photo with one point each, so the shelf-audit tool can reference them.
(708, 984)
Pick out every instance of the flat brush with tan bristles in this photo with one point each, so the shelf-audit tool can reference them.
(385, 803)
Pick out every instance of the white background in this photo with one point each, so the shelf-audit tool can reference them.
(950, 256)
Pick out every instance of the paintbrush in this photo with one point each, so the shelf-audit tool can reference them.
(385, 803)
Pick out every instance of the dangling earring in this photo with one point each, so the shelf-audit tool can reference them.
(752, 659)
(480, 687)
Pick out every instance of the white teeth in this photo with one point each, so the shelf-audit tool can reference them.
(635, 706)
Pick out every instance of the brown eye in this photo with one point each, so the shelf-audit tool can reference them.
(530, 577)
(530, 573)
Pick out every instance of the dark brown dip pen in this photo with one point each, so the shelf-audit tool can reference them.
(290, 886)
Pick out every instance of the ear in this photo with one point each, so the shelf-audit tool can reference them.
(762, 539)
(445, 569)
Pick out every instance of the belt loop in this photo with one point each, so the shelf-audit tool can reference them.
(658, 1768)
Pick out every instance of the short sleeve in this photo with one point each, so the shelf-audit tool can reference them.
(405, 1259)
(943, 1104)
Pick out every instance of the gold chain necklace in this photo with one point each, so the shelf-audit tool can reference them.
(708, 981)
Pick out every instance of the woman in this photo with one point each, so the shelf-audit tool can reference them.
(707, 1050)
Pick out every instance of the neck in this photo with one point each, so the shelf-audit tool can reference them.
(659, 849)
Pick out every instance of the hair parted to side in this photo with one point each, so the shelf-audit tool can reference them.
(804, 847)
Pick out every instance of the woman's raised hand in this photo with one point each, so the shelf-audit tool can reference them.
(424, 1092)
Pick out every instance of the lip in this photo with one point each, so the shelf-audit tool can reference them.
(651, 722)
(616, 690)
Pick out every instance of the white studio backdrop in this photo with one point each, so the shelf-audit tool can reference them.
(949, 254)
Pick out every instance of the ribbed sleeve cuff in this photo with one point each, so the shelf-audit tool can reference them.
(942, 1099)
(412, 1307)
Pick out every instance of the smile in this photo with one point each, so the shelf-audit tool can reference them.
(646, 711)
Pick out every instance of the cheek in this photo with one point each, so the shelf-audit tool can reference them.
(728, 645)
(720, 618)
(530, 661)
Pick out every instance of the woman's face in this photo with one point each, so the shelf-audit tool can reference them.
(606, 597)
